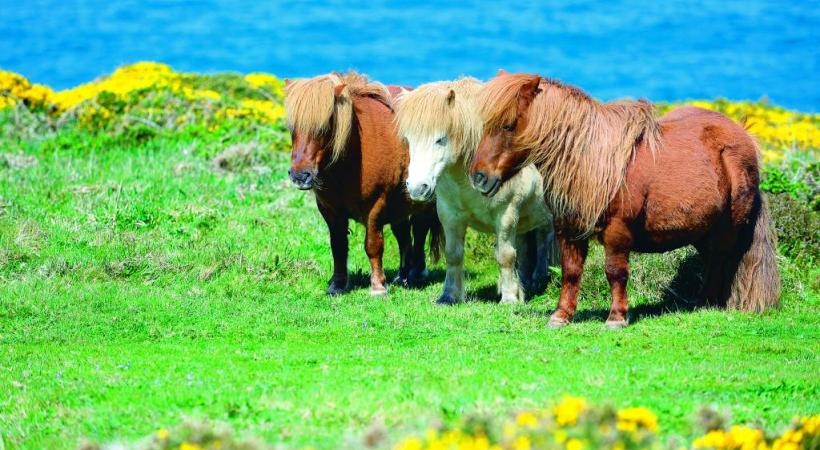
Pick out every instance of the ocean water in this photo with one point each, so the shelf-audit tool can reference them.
(663, 50)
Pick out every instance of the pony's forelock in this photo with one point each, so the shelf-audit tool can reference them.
(312, 106)
(428, 109)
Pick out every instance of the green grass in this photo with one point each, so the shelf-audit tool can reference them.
(140, 285)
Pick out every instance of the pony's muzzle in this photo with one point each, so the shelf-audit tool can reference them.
(421, 192)
(487, 185)
(303, 179)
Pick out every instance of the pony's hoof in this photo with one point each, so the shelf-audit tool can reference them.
(446, 300)
(513, 300)
(616, 324)
(557, 322)
(378, 291)
(336, 288)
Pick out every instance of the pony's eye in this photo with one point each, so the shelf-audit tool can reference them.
(509, 127)
(442, 141)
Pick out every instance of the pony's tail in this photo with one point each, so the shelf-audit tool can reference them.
(436, 238)
(756, 283)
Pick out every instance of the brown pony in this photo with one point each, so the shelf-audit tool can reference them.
(636, 183)
(346, 150)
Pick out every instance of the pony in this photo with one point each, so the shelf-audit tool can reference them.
(345, 149)
(441, 125)
(637, 183)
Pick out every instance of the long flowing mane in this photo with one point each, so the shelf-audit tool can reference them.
(431, 108)
(312, 106)
(581, 146)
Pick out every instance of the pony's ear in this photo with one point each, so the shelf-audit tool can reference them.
(337, 91)
(451, 98)
(528, 92)
(501, 72)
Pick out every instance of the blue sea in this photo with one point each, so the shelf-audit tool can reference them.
(661, 50)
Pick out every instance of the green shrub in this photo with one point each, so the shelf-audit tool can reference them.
(798, 228)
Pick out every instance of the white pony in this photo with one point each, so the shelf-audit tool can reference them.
(441, 125)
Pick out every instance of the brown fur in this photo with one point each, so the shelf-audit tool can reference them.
(346, 150)
(584, 145)
(313, 106)
(637, 184)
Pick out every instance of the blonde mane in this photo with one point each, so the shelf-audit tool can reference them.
(581, 146)
(430, 109)
(313, 108)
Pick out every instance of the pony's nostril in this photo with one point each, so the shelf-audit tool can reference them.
(479, 178)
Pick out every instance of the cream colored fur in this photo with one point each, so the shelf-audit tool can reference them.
(448, 110)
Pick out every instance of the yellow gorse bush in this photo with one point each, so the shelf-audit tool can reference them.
(572, 424)
(98, 102)
(775, 128)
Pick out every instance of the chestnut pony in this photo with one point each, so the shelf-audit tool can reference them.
(611, 170)
(345, 149)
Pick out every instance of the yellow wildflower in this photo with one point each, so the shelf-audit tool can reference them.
(522, 443)
(575, 444)
(716, 439)
(189, 446)
(526, 419)
(569, 409)
(411, 443)
(630, 419)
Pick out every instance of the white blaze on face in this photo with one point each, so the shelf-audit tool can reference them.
(428, 157)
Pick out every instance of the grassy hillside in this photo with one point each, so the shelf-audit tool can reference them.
(156, 264)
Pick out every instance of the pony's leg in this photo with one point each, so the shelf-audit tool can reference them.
(526, 246)
(421, 224)
(714, 266)
(402, 232)
(617, 241)
(545, 256)
(337, 225)
(374, 247)
(453, 292)
(573, 256)
(509, 285)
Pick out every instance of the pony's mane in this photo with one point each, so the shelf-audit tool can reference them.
(428, 109)
(581, 146)
(312, 107)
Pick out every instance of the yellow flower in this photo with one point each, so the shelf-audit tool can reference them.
(411, 443)
(745, 438)
(162, 434)
(189, 446)
(575, 444)
(526, 419)
(522, 443)
(630, 419)
(716, 439)
(260, 80)
(569, 409)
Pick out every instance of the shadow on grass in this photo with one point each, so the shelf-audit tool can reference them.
(361, 280)
(680, 295)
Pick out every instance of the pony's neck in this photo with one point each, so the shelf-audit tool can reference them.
(582, 148)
